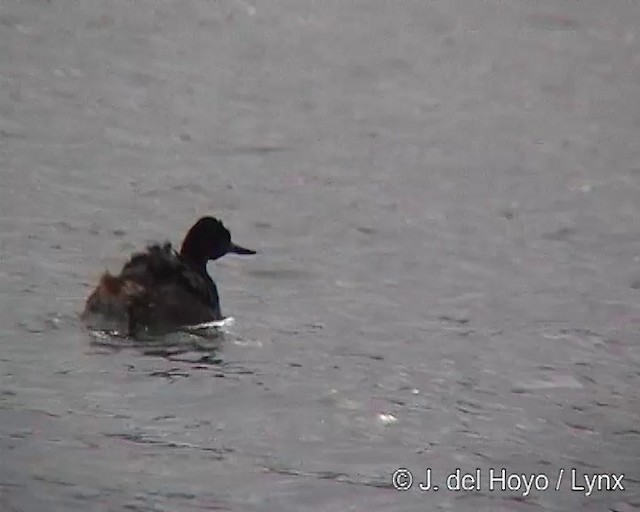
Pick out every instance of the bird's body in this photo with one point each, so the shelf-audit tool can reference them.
(160, 289)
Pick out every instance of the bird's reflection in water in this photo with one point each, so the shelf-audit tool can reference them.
(189, 346)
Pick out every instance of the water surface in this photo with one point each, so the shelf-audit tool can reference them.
(444, 196)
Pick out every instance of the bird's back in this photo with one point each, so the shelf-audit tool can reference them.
(157, 288)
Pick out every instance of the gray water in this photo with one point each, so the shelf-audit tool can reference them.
(445, 200)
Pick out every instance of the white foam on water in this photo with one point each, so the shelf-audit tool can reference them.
(387, 418)
(215, 324)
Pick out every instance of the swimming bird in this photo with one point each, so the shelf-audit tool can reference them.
(161, 289)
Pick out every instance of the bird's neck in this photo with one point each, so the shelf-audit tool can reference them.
(196, 261)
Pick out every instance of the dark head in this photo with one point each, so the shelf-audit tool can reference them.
(208, 239)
